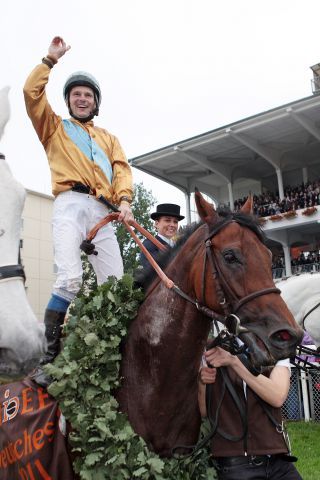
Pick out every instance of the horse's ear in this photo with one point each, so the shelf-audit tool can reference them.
(205, 209)
(248, 206)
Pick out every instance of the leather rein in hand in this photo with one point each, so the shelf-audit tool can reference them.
(229, 316)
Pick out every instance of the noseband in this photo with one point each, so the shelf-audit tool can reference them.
(12, 271)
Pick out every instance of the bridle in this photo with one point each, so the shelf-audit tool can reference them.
(228, 300)
(230, 304)
(11, 271)
(308, 313)
(230, 308)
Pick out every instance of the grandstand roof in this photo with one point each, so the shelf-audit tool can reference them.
(285, 138)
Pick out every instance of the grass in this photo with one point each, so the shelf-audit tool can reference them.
(305, 444)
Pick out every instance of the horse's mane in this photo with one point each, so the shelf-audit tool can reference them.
(243, 219)
(145, 276)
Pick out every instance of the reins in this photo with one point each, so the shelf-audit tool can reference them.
(162, 276)
(230, 306)
(303, 363)
(308, 313)
(216, 272)
(114, 216)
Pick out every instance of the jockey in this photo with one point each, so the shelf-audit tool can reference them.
(87, 166)
(166, 219)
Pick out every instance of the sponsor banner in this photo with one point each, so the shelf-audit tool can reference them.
(33, 444)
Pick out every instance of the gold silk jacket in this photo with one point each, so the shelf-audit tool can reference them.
(68, 163)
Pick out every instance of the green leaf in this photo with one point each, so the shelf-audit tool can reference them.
(111, 297)
(139, 472)
(91, 339)
(156, 463)
(87, 372)
(92, 458)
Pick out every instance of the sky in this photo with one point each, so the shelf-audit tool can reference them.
(168, 69)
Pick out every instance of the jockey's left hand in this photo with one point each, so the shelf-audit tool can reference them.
(125, 212)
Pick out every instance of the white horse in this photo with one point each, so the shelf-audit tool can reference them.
(21, 334)
(302, 295)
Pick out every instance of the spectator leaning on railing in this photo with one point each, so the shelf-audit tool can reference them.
(301, 264)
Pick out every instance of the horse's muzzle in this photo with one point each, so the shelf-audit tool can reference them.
(266, 350)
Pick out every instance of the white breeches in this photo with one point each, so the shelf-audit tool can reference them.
(74, 215)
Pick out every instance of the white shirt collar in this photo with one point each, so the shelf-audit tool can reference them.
(169, 241)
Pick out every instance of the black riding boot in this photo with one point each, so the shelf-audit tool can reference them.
(53, 321)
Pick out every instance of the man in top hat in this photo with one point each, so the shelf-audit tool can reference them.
(166, 219)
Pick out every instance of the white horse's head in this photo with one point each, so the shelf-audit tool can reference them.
(302, 296)
(4, 108)
(21, 335)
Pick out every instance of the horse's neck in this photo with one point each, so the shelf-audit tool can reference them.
(168, 310)
(12, 197)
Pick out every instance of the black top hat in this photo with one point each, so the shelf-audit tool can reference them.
(167, 210)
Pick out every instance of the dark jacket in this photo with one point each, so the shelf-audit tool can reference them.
(153, 249)
(262, 437)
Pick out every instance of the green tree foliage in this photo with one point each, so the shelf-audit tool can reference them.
(143, 201)
(89, 279)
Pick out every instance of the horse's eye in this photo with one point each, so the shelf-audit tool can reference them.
(230, 257)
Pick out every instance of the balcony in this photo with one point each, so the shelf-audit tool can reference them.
(291, 219)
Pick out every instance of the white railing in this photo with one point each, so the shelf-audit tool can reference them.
(303, 402)
(280, 272)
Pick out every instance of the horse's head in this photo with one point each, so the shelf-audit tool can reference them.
(238, 281)
(4, 108)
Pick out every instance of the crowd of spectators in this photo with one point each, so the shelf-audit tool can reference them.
(266, 204)
(303, 263)
(303, 196)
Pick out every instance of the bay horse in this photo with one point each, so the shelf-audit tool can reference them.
(302, 295)
(22, 339)
(225, 267)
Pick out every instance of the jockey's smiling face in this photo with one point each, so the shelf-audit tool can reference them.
(82, 101)
(167, 226)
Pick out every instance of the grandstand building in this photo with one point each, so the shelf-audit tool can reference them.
(36, 250)
(263, 153)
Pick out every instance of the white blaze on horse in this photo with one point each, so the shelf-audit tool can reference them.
(21, 335)
(302, 295)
